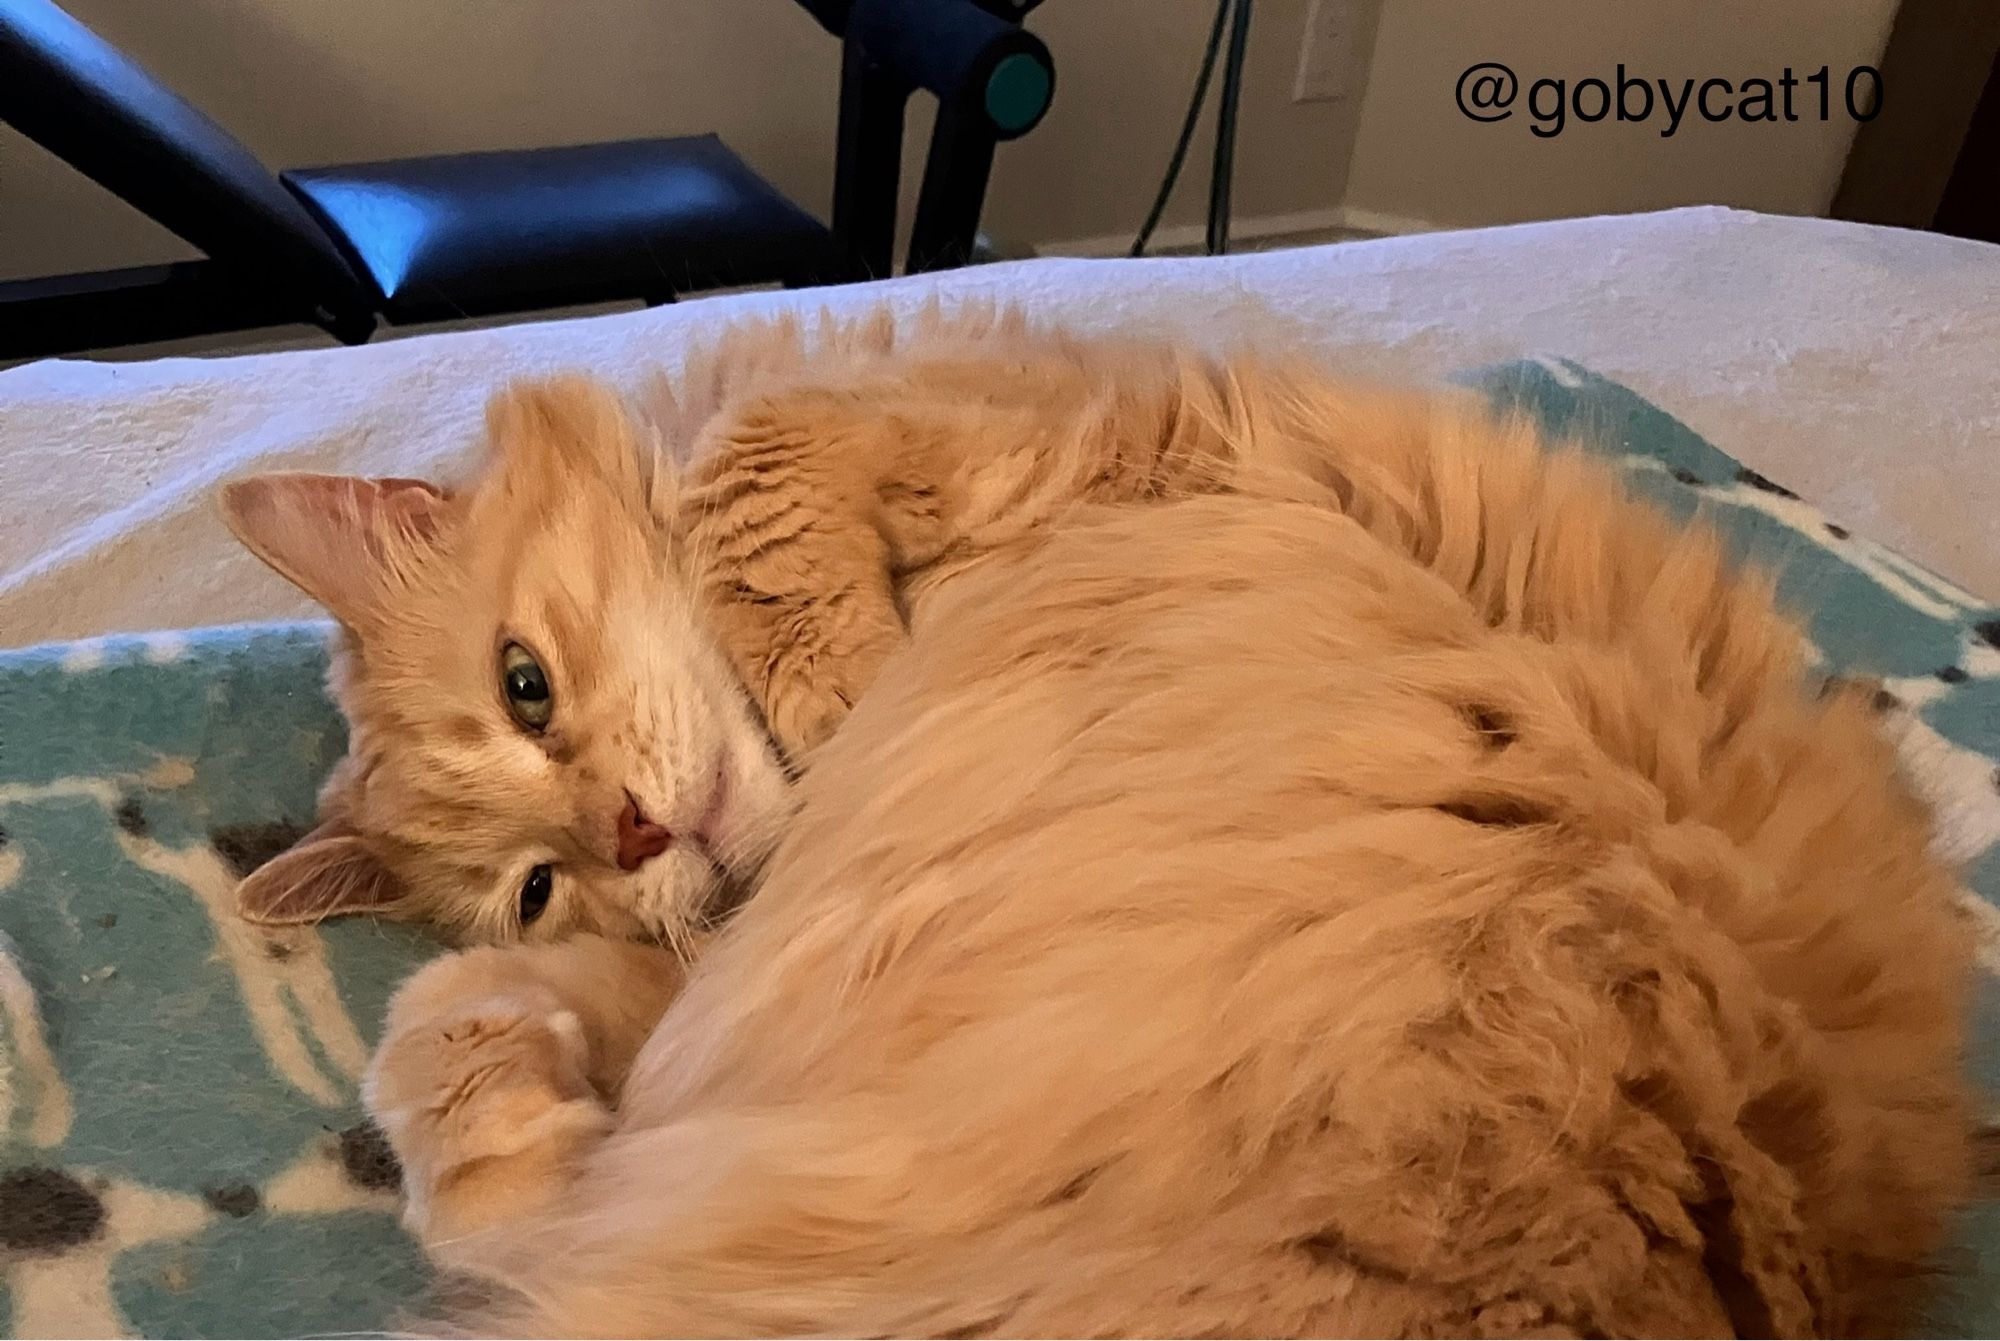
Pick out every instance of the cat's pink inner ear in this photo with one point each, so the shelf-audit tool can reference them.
(331, 534)
(323, 876)
(417, 504)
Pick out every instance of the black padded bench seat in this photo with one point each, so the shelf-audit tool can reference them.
(489, 234)
(482, 233)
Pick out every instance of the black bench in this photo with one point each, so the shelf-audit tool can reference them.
(479, 234)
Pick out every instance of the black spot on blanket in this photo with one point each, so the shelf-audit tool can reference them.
(1879, 698)
(1837, 532)
(46, 1210)
(234, 1200)
(131, 817)
(370, 1163)
(1688, 477)
(247, 846)
(1988, 631)
(1951, 674)
(3, 839)
(1750, 477)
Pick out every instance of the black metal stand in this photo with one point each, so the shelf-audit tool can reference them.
(953, 192)
(868, 164)
(892, 48)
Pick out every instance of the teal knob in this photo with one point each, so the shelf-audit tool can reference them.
(1017, 92)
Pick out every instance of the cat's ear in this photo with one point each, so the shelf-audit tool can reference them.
(665, 427)
(566, 425)
(332, 535)
(327, 873)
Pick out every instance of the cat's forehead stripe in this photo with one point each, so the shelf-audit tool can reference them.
(567, 628)
(468, 730)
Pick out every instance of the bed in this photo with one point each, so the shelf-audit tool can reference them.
(180, 1150)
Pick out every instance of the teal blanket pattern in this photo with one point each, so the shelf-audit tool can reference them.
(181, 1153)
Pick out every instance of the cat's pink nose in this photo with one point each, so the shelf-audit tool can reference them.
(639, 839)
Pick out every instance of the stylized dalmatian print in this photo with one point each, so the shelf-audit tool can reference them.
(180, 1148)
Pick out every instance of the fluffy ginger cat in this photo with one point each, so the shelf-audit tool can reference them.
(542, 738)
(1389, 884)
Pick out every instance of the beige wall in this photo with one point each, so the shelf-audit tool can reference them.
(305, 82)
(1416, 156)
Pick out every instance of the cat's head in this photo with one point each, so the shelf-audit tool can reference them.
(543, 738)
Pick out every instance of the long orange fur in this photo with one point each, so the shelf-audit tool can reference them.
(1316, 861)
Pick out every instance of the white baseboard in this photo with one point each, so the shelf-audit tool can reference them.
(1379, 223)
(1305, 225)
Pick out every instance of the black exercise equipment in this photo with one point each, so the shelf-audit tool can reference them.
(423, 239)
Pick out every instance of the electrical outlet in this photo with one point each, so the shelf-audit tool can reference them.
(1326, 54)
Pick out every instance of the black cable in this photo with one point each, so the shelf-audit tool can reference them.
(1187, 129)
(1225, 132)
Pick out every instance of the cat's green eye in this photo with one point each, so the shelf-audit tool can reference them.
(526, 687)
(535, 891)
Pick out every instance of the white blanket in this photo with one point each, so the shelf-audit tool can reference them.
(1856, 365)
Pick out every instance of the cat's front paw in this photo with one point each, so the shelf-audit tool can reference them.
(812, 685)
(804, 711)
(484, 1097)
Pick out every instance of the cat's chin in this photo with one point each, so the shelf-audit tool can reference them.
(725, 896)
(735, 868)
(699, 888)
(716, 817)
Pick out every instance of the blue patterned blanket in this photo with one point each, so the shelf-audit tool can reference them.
(180, 1149)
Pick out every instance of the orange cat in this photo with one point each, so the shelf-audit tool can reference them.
(1391, 884)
